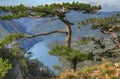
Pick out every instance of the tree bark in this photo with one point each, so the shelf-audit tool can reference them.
(110, 31)
(73, 62)
(116, 39)
(68, 35)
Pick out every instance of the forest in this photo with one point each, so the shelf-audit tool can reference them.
(100, 61)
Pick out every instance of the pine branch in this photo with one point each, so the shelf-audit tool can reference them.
(52, 9)
(42, 10)
(113, 48)
(107, 39)
(51, 19)
(41, 34)
(34, 16)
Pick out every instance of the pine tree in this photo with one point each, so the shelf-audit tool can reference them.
(55, 9)
(108, 25)
(14, 63)
(5, 66)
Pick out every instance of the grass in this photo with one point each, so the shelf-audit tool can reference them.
(104, 71)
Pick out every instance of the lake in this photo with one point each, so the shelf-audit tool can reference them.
(40, 51)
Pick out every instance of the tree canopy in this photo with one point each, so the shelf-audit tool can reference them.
(64, 51)
(5, 66)
(55, 9)
(47, 10)
(104, 24)
(108, 25)
(16, 62)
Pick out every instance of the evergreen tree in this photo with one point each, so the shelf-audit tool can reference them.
(108, 25)
(4, 67)
(70, 54)
(54, 9)
(15, 65)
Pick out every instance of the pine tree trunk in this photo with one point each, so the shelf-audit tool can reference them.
(73, 62)
(68, 35)
(116, 39)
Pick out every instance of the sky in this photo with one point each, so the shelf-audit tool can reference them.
(108, 5)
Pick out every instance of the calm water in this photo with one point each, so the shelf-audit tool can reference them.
(40, 51)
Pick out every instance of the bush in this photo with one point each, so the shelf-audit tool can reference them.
(4, 67)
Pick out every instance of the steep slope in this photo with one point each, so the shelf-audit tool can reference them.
(12, 26)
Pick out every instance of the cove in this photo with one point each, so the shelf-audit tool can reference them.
(40, 51)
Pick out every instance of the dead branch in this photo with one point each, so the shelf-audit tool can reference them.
(51, 20)
(107, 39)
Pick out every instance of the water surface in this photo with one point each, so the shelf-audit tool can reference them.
(40, 51)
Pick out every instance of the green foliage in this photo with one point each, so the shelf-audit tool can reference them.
(85, 40)
(78, 27)
(23, 62)
(38, 70)
(46, 10)
(10, 38)
(14, 54)
(113, 77)
(69, 53)
(29, 54)
(14, 9)
(8, 17)
(4, 67)
(98, 43)
(109, 71)
(95, 77)
(69, 6)
(13, 57)
(56, 67)
(103, 23)
(89, 69)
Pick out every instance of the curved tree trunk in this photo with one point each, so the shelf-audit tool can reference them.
(68, 35)
(73, 62)
(116, 39)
